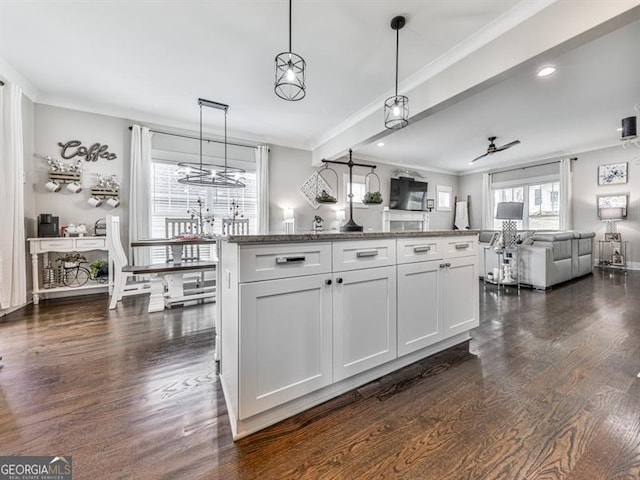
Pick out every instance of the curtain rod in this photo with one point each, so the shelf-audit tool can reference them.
(531, 166)
(208, 140)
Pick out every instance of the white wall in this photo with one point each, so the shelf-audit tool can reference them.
(585, 189)
(289, 168)
(53, 125)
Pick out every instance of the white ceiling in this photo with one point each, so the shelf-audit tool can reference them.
(150, 61)
(577, 109)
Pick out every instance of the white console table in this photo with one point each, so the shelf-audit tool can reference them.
(42, 246)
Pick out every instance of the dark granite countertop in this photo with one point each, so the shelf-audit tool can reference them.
(330, 236)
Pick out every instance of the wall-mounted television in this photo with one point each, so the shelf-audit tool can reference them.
(408, 194)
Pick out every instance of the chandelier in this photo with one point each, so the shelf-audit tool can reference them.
(209, 175)
(290, 73)
(396, 108)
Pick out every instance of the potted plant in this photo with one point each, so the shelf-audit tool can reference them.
(372, 198)
(325, 197)
(99, 270)
(71, 260)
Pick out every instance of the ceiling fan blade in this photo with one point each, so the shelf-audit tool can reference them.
(478, 158)
(508, 145)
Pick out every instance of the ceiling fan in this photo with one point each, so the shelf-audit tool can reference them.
(493, 149)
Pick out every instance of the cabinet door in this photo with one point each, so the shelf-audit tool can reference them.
(364, 320)
(419, 308)
(460, 310)
(285, 341)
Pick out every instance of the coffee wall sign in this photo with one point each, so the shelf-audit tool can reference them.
(74, 148)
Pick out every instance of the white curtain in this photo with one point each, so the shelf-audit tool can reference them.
(13, 282)
(140, 192)
(566, 220)
(487, 202)
(262, 187)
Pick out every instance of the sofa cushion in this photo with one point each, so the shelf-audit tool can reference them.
(552, 236)
(584, 234)
(485, 236)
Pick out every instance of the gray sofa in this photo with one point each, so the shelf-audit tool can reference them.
(545, 258)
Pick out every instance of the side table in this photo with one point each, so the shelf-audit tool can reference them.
(507, 273)
(612, 254)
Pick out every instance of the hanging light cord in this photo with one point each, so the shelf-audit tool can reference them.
(290, 27)
(225, 141)
(201, 136)
(397, 50)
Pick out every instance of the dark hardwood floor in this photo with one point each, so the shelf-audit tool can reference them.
(548, 391)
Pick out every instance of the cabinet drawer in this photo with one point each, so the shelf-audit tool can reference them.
(412, 250)
(363, 254)
(266, 262)
(52, 245)
(455, 247)
(84, 243)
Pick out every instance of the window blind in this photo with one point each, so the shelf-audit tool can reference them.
(170, 199)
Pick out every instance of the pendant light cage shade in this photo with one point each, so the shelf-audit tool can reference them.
(209, 175)
(396, 112)
(290, 76)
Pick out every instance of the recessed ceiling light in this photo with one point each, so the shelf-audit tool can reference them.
(546, 71)
(381, 144)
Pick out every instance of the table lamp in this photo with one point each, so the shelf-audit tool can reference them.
(509, 211)
(611, 215)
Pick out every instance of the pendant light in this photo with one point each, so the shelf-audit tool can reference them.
(396, 108)
(290, 73)
(208, 175)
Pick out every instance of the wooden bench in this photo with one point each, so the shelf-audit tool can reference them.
(169, 268)
(176, 293)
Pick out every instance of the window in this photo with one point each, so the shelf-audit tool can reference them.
(359, 189)
(544, 206)
(541, 209)
(170, 199)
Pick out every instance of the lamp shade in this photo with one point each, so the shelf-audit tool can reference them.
(509, 211)
(288, 213)
(611, 213)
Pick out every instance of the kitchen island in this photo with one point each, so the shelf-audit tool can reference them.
(303, 318)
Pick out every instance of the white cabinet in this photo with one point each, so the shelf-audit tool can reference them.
(460, 295)
(364, 320)
(437, 299)
(285, 341)
(302, 322)
(419, 305)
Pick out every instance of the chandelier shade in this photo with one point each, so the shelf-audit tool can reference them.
(396, 108)
(209, 175)
(290, 73)
(396, 112)
(290, 76)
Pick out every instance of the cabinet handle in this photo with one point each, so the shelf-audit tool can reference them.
(281, 260)
(447, 264)
(422, 249)
(328, 282)
(339, 280)
(442, 265)
(462, 246)
(367, 253)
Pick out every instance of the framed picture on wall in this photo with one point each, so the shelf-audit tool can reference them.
(612, 174)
